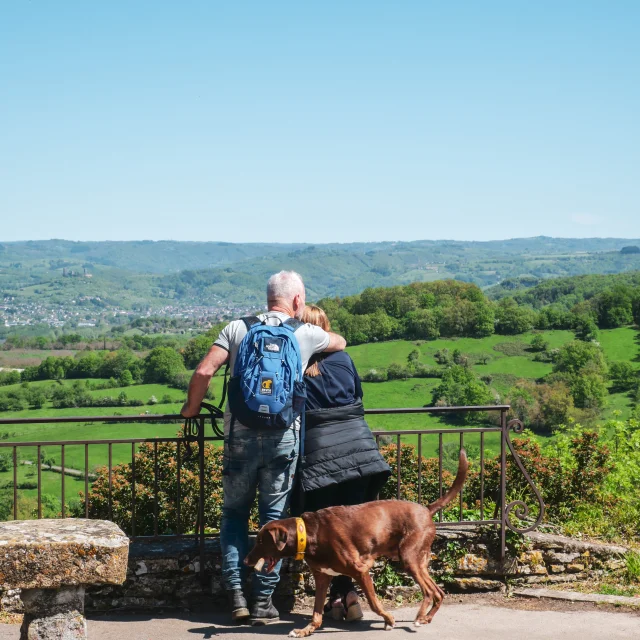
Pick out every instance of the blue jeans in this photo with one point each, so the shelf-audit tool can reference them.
(262, 460)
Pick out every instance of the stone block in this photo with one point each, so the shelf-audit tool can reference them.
(52, 614)
(477, 584)
(149, 586)
(560, 558)
(48, 554)
(471, 563)
(532, 558)
(557, 568)
(575, 568)
(567, 545)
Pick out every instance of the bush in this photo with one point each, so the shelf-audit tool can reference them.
(398, 372)
(581, 481)
(538, 343)
(167, 491)
(9, 377)
(180, 381)
(375, 375)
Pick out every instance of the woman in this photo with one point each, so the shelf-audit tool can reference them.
(341, 464)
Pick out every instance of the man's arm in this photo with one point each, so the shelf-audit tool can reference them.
(201, 378)
(336, 343)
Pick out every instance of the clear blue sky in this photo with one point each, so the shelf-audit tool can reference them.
(319, 121)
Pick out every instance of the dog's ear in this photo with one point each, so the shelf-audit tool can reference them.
(280, 536)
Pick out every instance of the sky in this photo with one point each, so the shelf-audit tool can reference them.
(319, 122)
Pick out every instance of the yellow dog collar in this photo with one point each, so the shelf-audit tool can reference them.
(301, 532)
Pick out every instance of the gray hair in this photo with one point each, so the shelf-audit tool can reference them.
(284, 285)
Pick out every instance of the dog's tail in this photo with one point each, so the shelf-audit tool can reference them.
(456, 487)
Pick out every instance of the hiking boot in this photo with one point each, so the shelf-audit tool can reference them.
(263, 611)
(238, 606)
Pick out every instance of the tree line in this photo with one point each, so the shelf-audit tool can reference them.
(448, 308)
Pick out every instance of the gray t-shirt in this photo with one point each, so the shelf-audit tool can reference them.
(311, 339)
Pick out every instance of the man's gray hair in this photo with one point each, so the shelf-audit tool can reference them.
(284, 285)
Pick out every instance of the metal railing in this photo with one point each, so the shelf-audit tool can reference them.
(514, 515)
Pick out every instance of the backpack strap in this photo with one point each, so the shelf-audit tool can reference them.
(250, 321)
(224, 388)
(293, 323)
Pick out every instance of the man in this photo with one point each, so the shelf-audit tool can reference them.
(257, 459)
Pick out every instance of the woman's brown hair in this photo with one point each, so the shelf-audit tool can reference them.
(315, 315)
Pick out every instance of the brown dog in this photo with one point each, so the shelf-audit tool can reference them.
(347, 541)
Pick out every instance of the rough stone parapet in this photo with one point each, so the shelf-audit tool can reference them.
(47, 554)
(50, 562)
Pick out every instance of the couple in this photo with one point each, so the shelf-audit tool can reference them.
(341, 463)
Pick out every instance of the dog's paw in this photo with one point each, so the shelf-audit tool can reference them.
(298, 633)
(389, 625)
(417, 623)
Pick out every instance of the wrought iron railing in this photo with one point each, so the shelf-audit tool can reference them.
(514, 515)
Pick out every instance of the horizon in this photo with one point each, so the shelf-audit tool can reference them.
(149, 240)
(364, 120)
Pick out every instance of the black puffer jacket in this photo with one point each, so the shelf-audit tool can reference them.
(339, 447)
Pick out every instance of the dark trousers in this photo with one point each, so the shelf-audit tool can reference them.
(343, 494)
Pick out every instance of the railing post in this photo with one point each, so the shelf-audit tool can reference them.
(201, 496)
(503, 484)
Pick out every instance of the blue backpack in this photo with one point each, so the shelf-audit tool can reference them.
(267, 388)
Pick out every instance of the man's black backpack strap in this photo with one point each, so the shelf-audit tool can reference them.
(294, 323)
(224, 388)
(249, 321)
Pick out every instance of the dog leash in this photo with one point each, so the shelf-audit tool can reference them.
(301, 533)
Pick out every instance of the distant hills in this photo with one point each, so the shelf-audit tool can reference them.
(146, 274)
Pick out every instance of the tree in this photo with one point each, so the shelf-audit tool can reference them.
(116, 362)
(512, 319)
(36, 398)
(381, 326)
(125, 379)
(538, 343)
(162, 365)
(484, 320)
(589, 391)
(422, 324)
(574, 357)
(615, 307)
(460, 387)
(542, 406)
(624, 376)
(630, 249)
(585, 328)
(196, 349)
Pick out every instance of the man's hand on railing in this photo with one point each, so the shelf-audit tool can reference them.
(189, 411)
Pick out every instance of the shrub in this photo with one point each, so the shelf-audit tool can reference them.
(167, 491)
(538, 343)
(375, 375)
(398, 372)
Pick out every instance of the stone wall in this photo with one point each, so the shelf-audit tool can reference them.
(165, 574)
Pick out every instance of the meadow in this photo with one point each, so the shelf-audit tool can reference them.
(508, 358)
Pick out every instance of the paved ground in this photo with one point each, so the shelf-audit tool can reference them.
(474, 620)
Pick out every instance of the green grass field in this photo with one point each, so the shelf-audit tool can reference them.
(618, 344)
